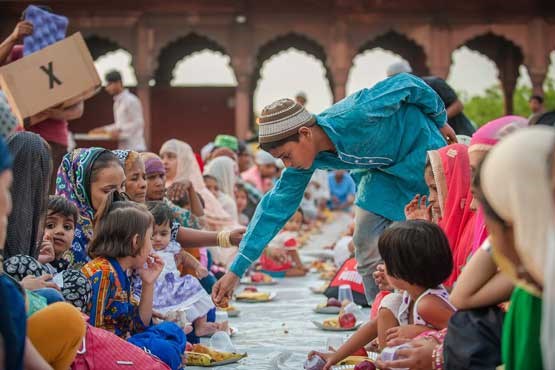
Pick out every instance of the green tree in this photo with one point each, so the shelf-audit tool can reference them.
(488, 106)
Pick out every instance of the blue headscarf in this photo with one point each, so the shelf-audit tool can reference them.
(5, 157)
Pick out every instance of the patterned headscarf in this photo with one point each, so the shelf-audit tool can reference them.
(71, 182)
(127, 158)
(5, 157)
(32, 167)
(8, 122)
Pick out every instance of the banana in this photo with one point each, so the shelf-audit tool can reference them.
(198, 359)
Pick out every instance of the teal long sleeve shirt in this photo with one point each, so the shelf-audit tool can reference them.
(381, 135)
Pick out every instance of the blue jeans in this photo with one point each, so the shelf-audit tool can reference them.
(368, 228)
(51, 295)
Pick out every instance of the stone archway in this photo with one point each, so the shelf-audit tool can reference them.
(175, 51)
(284, 42)
(403, 46)
(506, 55)
(99, 46)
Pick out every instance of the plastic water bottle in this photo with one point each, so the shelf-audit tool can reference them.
(315, 363)
(390, 354)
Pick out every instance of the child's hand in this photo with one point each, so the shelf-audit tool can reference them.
(417, 209)
(33, 283)
(46, 253)
(328, 357)
(277, 254)
(404, 332)
(155, 265)
(380, 278)
(201, 271)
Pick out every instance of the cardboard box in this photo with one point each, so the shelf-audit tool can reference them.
(59, 75)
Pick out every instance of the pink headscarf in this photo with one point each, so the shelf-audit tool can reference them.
(483, 140)
(188, 169)
(451, 169)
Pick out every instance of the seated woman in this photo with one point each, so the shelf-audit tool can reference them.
(28, 342)
(181, 165)
(517, 180)
(447, 175)
(224, 170)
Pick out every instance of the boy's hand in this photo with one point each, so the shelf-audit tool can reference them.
(449, 134)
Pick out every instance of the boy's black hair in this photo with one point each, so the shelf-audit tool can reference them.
(161, 212)
(276, 144)
(57, 204)
(113, 76)
(538, 98)
(417, 252)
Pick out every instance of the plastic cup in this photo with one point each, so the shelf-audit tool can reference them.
(221, 341)
(221, 316)
(345, 293)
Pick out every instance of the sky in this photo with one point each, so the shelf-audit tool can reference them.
(292, 71)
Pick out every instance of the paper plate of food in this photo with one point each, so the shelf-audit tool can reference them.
(344, 322)
(356, 363)
(252, 295)
(331, 306)
(203, 356)
(322, 266)
(258, 278)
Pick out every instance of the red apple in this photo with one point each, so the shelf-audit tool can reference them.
(360, 352)
(333, 302)
(251, 289)
(365, 365)
(257, 277)
(347, 320)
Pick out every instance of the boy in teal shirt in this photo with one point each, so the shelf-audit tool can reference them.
(381, 135)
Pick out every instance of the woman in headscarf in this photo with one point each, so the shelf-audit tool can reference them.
(135, 177)
(517, 181)
(28, 342)
(31, 173)
(448, 175)
(180, 165)
(86, 177)
(482, 142)
(225, 171)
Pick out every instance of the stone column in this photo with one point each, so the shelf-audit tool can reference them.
(340, 59)
(143, 70)
(243, 104)
(439, 51)
(537, 55)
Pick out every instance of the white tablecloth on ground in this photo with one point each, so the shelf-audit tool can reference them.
(262, 326)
